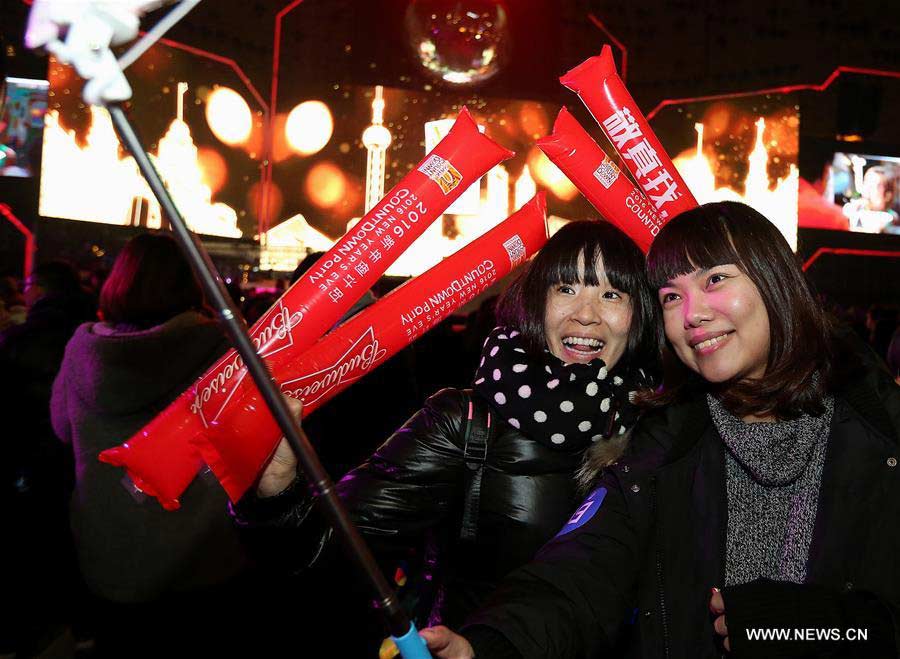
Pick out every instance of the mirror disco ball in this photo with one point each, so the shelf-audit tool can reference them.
(457, 41)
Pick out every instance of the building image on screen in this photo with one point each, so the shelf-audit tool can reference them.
(200, 128)
(741, 149)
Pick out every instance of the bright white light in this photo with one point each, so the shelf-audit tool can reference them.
(550, 176)
(228, 116)
(284, 245)
(309, 127)
(524, 188)
(779, 203)
(376, 137)
(93, 182)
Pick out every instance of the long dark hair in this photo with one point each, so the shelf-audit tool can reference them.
(150, 283)
(730, 232)
(523, 304)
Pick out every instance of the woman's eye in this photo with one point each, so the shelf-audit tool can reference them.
(612, 295)
(565, 288)
(716, 278)
(666, 298)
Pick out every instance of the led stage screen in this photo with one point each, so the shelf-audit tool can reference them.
(21, 122)
(747, 151)
(739, 149)
(334, 150)
(865, 190)
(201, 124)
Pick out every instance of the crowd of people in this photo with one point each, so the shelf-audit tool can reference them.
(619, 437)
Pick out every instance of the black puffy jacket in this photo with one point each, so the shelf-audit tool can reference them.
(415, 485)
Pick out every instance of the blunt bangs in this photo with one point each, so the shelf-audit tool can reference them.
(565, 270)
(569, 258)
(699, 238)
(586, 243)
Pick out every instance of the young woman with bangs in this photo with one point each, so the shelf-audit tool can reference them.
(487, 475)
(756, 511)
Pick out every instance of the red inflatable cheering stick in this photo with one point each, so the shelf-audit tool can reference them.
(601, 89)
(238, 445)
(161, 459)
(598, 178)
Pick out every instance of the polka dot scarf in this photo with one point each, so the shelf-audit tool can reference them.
(564, 406)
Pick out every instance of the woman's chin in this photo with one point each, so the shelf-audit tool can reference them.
(723, 370)
(716, 374)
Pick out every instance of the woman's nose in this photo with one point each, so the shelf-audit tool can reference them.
(696, 310)
(587, 312)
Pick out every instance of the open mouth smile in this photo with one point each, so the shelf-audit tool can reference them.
(583, 346)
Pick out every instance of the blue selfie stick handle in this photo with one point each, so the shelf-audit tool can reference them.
(411, 645)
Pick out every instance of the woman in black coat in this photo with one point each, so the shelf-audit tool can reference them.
(488, 474)
(763, 499)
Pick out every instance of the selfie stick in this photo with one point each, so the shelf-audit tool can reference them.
(81, 32)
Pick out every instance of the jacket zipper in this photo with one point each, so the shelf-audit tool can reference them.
(659, 574)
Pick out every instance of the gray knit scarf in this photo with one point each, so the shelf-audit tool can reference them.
(773, 475)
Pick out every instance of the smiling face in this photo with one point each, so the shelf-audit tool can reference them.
(583, 323)
(716, 321)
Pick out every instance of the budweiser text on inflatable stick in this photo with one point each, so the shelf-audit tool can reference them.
(159, 458)
(238, 444)
(601, 89)
(598, 178)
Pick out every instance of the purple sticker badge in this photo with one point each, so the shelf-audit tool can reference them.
(585, 511)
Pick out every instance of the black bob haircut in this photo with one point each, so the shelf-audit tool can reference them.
(523, 304)
(150, 283)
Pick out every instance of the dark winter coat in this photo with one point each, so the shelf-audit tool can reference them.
(642, 560)
(110, 385)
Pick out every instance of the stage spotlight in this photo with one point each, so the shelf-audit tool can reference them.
(309, 127)
(228, 116)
